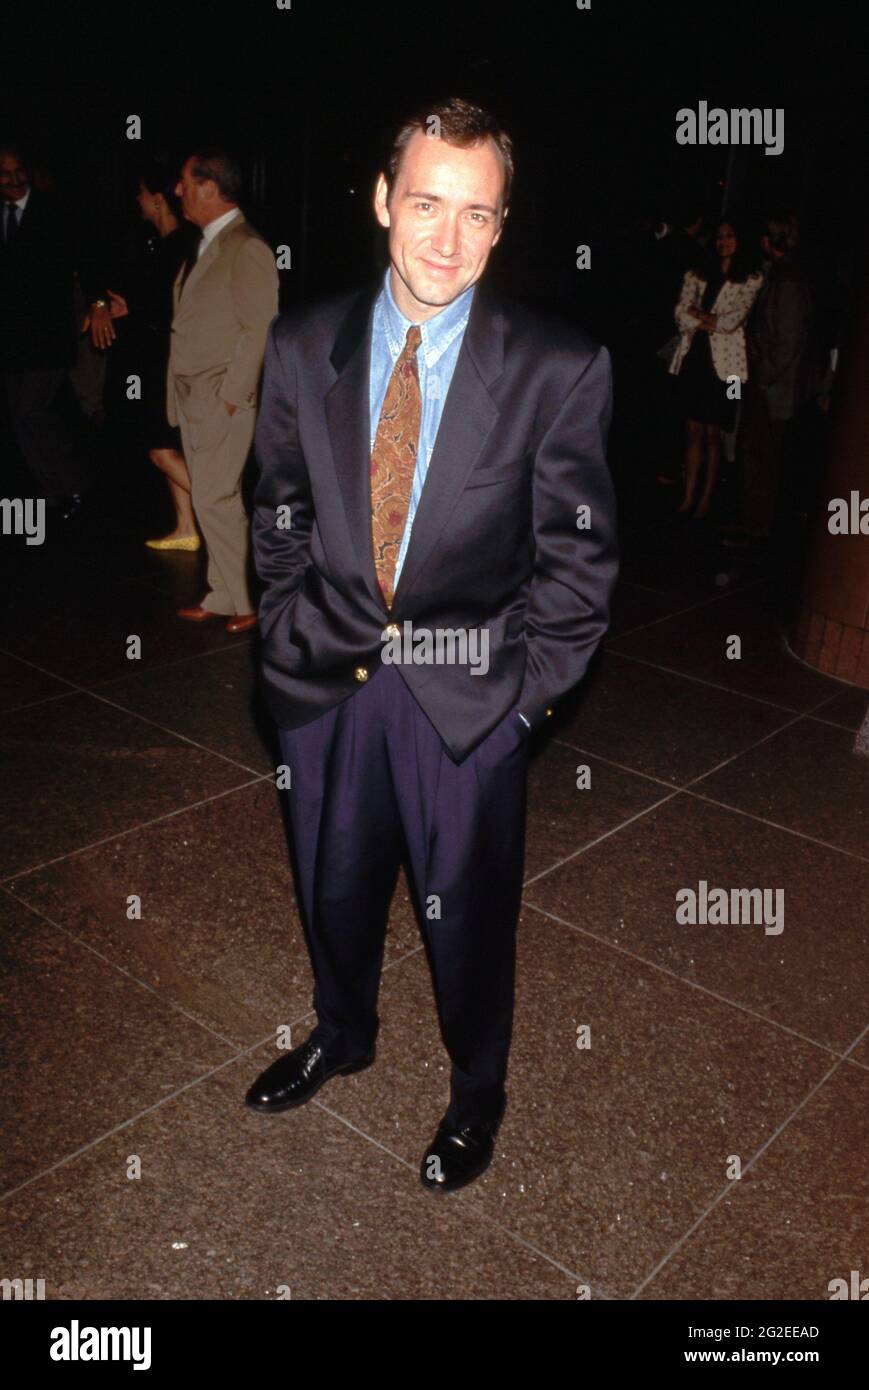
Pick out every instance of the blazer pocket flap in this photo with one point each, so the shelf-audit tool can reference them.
(499, 472)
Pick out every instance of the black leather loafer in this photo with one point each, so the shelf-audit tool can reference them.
(294, 1079)
(456, 1157)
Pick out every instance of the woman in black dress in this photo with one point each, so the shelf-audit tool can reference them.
(174, 242)
(703, 393)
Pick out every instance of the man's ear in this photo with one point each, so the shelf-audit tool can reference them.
(381, 196)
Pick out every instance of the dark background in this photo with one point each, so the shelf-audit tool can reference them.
(308, 97)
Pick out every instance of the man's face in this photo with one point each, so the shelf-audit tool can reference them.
(197, 196)
(444, 217)
(14, 182)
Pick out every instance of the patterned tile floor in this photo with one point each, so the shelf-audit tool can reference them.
(130, 1043)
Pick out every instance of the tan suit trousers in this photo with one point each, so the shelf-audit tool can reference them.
(216, 446)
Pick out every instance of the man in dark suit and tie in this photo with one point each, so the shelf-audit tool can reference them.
(434, 525)
(37, 330)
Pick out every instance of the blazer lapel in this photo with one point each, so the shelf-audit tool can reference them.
(348, 419)
(468, 416)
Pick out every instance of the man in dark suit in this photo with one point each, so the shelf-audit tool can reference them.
(779, 342)
(37, 329)
(434, 524)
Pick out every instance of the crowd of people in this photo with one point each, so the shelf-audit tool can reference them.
(727, 354)
(204, 294)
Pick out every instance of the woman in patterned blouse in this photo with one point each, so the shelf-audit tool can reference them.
(710, 360)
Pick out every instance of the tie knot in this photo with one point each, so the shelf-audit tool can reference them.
(413, 340)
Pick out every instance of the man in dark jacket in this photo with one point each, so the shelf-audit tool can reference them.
(778, 357)
(434, 525)
(37, 328)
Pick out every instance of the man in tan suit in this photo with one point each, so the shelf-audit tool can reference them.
(224, 301)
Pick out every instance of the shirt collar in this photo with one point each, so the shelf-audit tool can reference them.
(437, 332)
(21, 203)
(211, 231)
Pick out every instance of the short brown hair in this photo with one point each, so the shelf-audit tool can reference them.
(783, 231)
(461, 123)
(222, 167)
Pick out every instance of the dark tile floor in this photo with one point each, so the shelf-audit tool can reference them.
(131, 1039)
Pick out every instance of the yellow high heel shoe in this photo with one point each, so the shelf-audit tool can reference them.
(175, 543)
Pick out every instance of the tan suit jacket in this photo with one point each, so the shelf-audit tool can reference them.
(219, 329)
(221, 318)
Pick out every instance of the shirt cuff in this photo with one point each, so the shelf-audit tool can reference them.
(524, 720)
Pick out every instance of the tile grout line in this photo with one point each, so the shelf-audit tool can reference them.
(468, 1206)
(715, 685)
(776, 825)
(623, 767)
(711, 800)
(134, 714)
(132, 830)
(691, 984)
(125, 1124)
(729, 1188)
(679, 791)
(680, 612)
(600, 838)
(831, 723)
(164, 999)
(46, 700)
(235, 646)
(84, 689)
(25, 661)
(855, 1062)
(180, 1090)
(113, 704)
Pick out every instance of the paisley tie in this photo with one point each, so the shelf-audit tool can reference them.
(393, 461)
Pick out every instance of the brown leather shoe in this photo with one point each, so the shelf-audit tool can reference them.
(241, 622)
(197, 614)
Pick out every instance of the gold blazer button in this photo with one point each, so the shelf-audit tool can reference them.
(549, 714)
(393, 630)
(361, 673)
